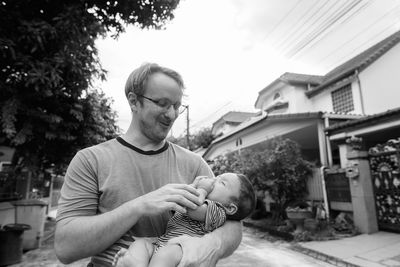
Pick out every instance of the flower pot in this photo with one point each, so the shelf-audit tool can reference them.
(298, 217)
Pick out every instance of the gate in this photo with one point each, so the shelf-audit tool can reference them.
(384, 162)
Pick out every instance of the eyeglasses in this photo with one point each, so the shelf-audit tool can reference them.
(166, 104)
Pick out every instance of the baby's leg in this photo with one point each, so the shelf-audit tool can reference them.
(137, 255)
(168, 256)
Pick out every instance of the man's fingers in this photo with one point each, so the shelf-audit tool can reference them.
(186, 187)
(182, 201)
(176, 207)
(189, 196)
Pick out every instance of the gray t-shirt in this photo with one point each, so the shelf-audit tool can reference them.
(102, 177)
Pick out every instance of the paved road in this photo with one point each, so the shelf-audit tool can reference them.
(256, 251)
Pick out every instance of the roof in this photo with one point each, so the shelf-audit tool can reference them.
(293, 78)
(286, 116)
(255, 120)
(298, 78)
(235, 117)
(357, 63)
(368, 120)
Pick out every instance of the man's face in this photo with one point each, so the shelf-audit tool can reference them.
(227, 185)
(155, 122)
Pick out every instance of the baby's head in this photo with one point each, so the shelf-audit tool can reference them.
(236, 193)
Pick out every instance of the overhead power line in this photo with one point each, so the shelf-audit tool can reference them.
(363, 30)
(351, 53)
(356, 11)
(300, 27)
(282, 19)
(204, 119)
(325, 26)
(317, 22)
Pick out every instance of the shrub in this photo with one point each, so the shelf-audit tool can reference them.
(280, 169)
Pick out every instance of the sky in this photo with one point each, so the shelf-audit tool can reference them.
(229, 50)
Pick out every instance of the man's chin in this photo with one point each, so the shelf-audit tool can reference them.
(162, 134)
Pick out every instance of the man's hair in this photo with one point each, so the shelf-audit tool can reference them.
(137, 80)
(246, 202)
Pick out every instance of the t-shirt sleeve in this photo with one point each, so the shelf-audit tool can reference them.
(215, 215)
(79, 193)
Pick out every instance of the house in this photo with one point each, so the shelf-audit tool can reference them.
(229, 121)
(369, 162)
(301, 107)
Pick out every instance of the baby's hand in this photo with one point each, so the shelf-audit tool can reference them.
(204, 187)
(206, 183)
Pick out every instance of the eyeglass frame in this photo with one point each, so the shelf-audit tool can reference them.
(167, 107)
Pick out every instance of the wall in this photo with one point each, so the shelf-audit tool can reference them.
(294, 95)
(380, 82)
(299, 102)
(258, 134)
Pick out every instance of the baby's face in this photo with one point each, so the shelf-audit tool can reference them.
(227, 185)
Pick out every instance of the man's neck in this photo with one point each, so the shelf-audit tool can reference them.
(140, 141)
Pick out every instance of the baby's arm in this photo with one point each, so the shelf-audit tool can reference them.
(204, 186)
(198, 214)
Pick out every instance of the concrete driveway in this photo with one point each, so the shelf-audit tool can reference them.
(257, 249)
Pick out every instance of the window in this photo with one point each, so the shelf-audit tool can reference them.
(342, 100)
(239, 142)
(277, 95)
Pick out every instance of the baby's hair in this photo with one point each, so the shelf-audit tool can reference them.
(246, 202)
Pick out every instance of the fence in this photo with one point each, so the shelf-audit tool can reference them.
(314, 186)
(12, 186)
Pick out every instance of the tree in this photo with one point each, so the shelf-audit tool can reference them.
(48, 61)
(280, 169)
(201, 138)
(284, 174)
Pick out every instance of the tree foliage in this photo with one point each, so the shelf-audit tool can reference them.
(280, 169)
(48, 60)
(201, 138)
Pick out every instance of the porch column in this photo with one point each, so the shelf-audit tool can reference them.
(322, 144)
(362, 194)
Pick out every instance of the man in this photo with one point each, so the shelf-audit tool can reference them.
(128, 186)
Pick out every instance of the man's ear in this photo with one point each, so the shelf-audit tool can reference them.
(132, 99)
(231, 209)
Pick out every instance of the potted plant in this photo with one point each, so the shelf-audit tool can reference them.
(297, 213)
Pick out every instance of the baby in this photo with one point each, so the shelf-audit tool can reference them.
(229, 196)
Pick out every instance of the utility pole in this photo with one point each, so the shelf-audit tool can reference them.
(187, 127)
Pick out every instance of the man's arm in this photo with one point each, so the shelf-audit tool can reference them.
(83, 236)
(207, 250)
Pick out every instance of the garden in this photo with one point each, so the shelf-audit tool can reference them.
(279, 173)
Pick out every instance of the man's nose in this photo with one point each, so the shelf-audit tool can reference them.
(171, 112)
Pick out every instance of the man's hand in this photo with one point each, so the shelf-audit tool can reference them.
(205, 251)
(177, 197)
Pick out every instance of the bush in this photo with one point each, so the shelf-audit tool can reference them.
(280, 169)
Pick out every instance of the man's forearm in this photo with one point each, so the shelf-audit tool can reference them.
(81, 237)
(207, 250)
(230, 236)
